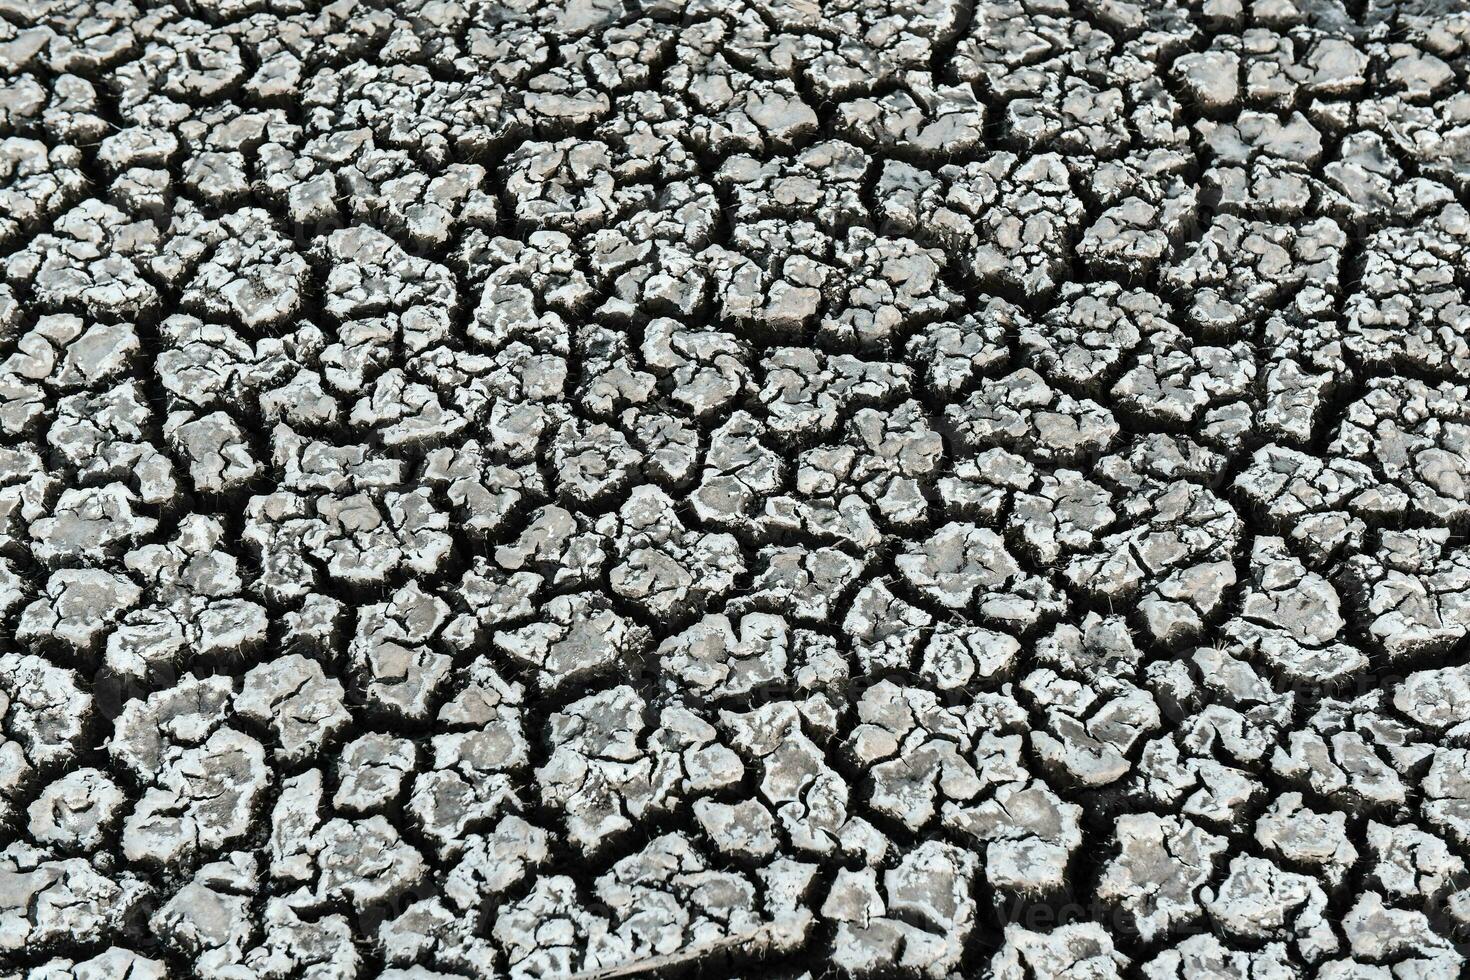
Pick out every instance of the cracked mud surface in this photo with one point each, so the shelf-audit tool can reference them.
(905, 488)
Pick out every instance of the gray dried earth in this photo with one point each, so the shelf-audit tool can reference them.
(734, 488)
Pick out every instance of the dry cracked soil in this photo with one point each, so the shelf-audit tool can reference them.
(719, 488)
